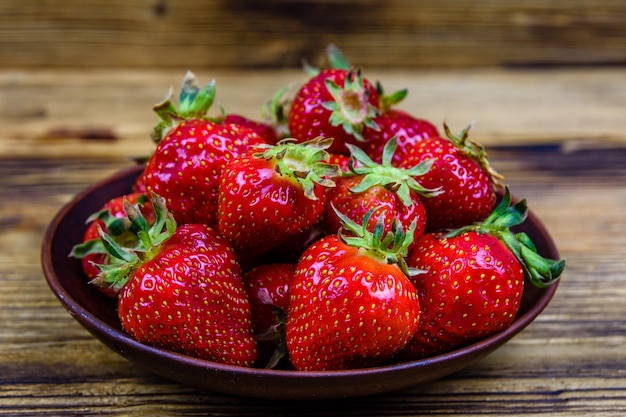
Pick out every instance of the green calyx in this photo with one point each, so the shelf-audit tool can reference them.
(398, 180)
(350, 107)
(387, 101)
(276, 112)
(125, 260)
(336, 59)
(120, 228)
(305, 162)
(392, 247)
(193, 103)
(473, 150)
(541, 271)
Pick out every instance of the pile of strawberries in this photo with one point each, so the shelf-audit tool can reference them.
(339, 233)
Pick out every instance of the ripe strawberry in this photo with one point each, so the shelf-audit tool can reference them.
(352, 304)
(185, 167)
(264, 130)
(273, 193)
(182, 290)
(268, 287)
(112, 219)
(473, 280)
(336, 103)
(340, 160)
(461, 168)
(394, 192)
(407, 130)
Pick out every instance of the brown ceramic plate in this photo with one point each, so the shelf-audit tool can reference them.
(98, 315)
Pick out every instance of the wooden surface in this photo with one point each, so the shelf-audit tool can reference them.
(279, 33)
(559, 136)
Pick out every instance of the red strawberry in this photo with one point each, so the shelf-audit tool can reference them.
(264, 130)
(188, 160)
(336, 103)
(407, 130)
(340, 160)
(268, 287)
(352, 304)
(139, 186)
(182, 290)
(395, 192)
(112, 219)
(473, 280)
(461, 168)
(271, 195)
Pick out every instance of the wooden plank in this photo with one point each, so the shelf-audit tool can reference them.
(279, 33)
(108, 112)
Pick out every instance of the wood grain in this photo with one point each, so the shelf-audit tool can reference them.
(570, 362)
(280, 33)
(109, 112)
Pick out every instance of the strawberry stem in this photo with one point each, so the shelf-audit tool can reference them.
(119, 227)
(125, 260)
(541, 271)
(275, 112)
(336, 58)
(387, 101)
(305, 162)
(350, 107)
(398, 180)
(194, 103)
(392, 247)
(475, 151)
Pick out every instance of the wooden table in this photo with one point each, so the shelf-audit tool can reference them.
(559, 136)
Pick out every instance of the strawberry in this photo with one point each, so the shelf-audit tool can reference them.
(395, 192)
(181, 289)
(461, 168)
(264, 130)
(352, 304)
(112, 219)
(191, 153)
(407, 130)
(336, 103)
(272, 193)
(268, 287)
(340, 160)
(473, 280)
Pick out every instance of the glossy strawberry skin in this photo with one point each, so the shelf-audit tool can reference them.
(472, 288)
(259, 209)
(347, 309)
(356, 205)
(190, 298)
(309, 118)
(186, 165)
(468, 193)
(116, 207)
(340, 160)
(407, 129)
(264, 130)
(268, 287)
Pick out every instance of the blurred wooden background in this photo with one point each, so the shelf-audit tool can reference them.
(279, 33)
